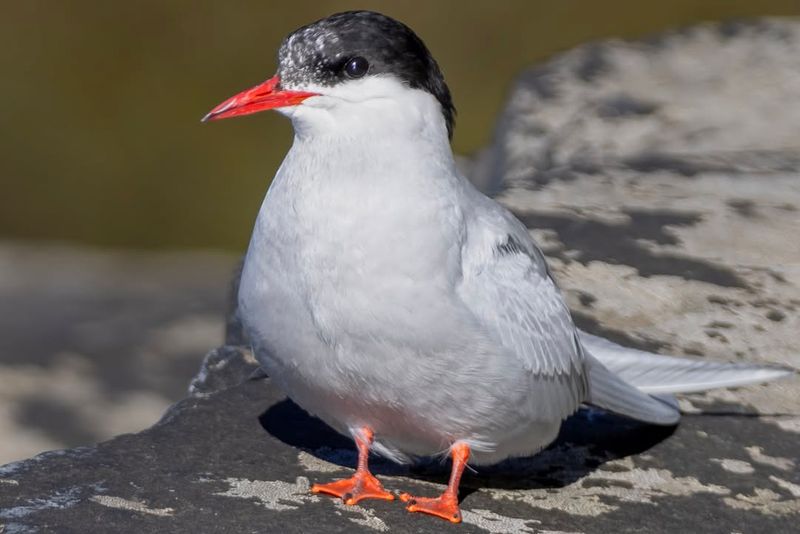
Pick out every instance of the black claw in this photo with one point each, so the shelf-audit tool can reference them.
(346, 497)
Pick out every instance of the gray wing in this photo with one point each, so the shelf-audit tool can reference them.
(507, 287)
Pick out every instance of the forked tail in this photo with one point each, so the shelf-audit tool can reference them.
(639, 384)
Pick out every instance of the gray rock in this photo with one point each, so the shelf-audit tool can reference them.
(661, 178)
(95, 343)
(240, 458)
(711, 99)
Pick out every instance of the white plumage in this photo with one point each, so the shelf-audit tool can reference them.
(382, 290)
(389, 297)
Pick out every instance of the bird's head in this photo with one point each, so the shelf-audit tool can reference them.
(355, 73)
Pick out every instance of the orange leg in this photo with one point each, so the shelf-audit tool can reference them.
(362, 485)
(445, 505)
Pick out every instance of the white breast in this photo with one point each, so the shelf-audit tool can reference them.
(348, 292)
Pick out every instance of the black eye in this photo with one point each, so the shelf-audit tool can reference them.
(356, 67)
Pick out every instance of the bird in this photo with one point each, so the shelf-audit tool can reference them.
(386, 295)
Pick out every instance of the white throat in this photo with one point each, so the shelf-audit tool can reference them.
(362, 174)
(371, 119)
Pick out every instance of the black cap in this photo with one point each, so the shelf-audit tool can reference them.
(362, 43)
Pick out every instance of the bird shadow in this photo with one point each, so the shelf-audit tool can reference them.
(587, 440)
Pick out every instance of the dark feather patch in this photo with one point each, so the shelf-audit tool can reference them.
(317, 53)
(510, 246)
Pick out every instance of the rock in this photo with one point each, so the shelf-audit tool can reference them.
(709, 100)
(236, 456)
(95, 343)
(661, 179)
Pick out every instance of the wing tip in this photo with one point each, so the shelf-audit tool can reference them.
(756, 374)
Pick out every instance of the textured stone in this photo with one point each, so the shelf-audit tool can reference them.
(95, 343)
(662, 179)
(240, 458)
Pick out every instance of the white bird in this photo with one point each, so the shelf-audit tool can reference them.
(386, 295)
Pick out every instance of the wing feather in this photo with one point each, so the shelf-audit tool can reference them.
(508, 289)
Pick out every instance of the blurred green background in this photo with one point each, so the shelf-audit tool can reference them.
(100, 101)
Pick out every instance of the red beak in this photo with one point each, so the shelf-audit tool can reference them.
(259, 98)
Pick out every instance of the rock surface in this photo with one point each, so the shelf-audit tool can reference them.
(661, 177)
(236, 456)
(95, 343)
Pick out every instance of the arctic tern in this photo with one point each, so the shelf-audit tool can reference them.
(389, 297)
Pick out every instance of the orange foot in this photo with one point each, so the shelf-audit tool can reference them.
(444, 506)
(362, 485)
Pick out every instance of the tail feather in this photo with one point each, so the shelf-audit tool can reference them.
(657, 374)
(608, 391)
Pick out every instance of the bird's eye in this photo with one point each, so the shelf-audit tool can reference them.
(356, 67)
